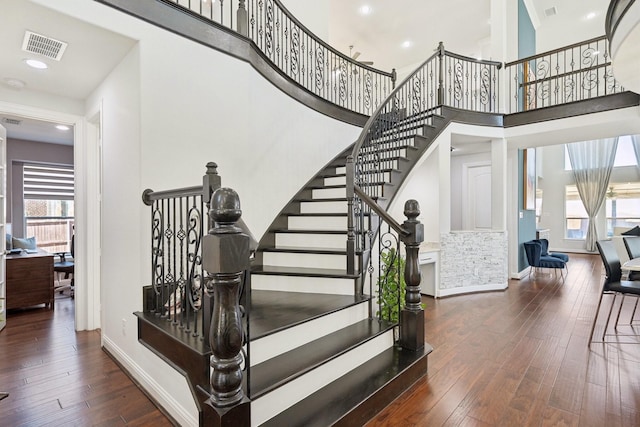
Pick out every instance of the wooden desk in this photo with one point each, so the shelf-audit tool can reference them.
(29, 280)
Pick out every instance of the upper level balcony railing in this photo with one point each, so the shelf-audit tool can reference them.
(573, 73)
(615, 13)
(298, 53)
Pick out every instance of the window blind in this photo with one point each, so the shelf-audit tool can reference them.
(48, 182)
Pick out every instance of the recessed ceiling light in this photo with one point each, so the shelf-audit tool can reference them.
(365, 10)
(34, 63)
(14, 83)
(591, 15)
(62, 127)
(406, 44)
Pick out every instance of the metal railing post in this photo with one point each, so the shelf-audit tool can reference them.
(440, 74)
(351, 235)
(243, 23)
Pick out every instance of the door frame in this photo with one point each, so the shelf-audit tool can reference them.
(87, 268)
(466, 167)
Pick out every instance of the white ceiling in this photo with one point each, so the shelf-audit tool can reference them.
(91, 54)
(463, 25)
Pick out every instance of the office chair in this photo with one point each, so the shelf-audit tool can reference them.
(66, 267)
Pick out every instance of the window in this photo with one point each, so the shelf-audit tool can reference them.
(577, 219)
(622, 209)
(625, 156)
(623, 206)
(48, 205)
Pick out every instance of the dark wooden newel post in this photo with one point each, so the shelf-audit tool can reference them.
(211, 181)
(351, 233)
(412, 315)
(225, 253)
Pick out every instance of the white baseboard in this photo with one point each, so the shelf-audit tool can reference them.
(472, 289)
(521, 275)
(179, 413)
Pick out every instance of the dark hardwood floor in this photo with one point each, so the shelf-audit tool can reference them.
(56, 377)
(521, 358)
(513, 358)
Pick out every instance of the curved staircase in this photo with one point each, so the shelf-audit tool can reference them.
(300, 262)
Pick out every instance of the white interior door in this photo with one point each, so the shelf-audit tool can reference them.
(476, 201)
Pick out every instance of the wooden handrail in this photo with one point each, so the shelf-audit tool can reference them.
(551, 52)
(616, 11)
(381, 212)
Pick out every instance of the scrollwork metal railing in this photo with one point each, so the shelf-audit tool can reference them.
(470, 84)
(178, 222)
(298, 53)
(574, 73)
(443, 79)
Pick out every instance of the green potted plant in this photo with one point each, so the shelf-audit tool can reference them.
(391, 285)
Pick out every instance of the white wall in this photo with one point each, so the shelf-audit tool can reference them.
(423, 187)
(312, 14)
(41, 100)
(569, 26)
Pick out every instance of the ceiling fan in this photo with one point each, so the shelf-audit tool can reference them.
(355, 56)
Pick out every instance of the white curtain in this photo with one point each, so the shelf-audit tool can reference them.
(635, 139)
(592, 162)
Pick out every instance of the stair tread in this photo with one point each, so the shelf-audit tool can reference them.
(317, 187)
(355, 397)
(316, 214)
(273, 311)
(387, 159)
(273, 373)
(289, 231)
(303, 272)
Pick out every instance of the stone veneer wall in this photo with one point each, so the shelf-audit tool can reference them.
(472, 261)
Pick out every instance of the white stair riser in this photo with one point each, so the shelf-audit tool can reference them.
(385, 154)
(392, 165)
(323, 207)
(305, 260)
(271, 404)
(286, 340)
(301, 240)
(319, 223)
(315, 285)
(329, 193)
(341, 170)
(336, 180)
(377, 177)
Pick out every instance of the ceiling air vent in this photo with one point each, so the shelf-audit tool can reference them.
(551, 11)
(43, 45)
(11, 121)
